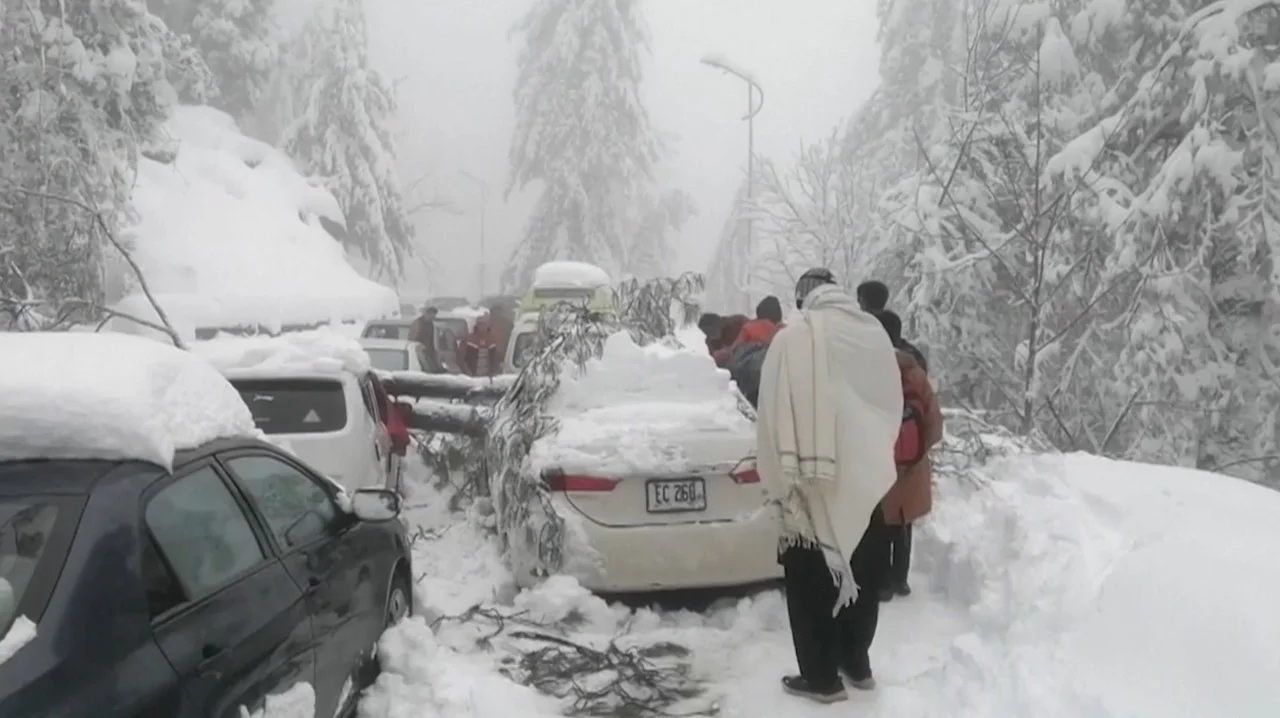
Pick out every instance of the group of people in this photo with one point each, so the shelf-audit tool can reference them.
(479, 353)
(834, 393)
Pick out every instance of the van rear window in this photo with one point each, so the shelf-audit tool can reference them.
(295, 406)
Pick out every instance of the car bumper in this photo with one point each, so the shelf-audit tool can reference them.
(678, 556)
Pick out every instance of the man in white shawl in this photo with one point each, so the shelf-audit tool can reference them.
(830, 411)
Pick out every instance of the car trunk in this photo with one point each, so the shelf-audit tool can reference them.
(708, 491)
(307, 415)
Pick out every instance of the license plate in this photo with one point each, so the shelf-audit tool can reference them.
(668, 496)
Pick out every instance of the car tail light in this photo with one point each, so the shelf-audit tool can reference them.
(745, 472)
(560, 481)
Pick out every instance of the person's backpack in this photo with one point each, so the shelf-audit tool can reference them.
(744, 368)
(909, 449)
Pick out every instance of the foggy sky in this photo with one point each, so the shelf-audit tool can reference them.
(454, 64)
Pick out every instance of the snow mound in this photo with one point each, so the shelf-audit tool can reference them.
(1105, 588)
(570, 275)
(320, 350)
(110, 396)
(228, 235)
(636, 407)
(297, 702)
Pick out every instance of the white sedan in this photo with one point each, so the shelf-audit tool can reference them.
(651, 470)
(397, 355)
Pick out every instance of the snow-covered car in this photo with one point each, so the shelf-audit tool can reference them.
(398, 355)
(317, 394)
(150, 538)
(648, 475)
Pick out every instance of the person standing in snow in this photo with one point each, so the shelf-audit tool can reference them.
(478, 353)
(423, 331)
(911, 496)
(829, 414)
(746, 356)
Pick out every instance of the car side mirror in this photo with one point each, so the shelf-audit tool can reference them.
(375, 504)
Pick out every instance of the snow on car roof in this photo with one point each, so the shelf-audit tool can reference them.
(110, 396)
(570, 274)
(637, 407)
(318, 351)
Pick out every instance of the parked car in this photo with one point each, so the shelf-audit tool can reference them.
(340, 422)
(159, 559)
(192, 593)
(658, 483)
(398, 355)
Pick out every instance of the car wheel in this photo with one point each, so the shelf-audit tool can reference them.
(398, 607)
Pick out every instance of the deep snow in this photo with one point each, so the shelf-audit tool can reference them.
(635, 408)
(1046, 586)
(228, 233)
(110, 396)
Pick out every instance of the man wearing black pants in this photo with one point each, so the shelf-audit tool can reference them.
(810, 595)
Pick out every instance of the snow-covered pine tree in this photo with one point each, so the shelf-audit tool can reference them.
(649, 251)
(82, 85)
(1193, 179)
(238, 40)
(582, 133)
(342, 133)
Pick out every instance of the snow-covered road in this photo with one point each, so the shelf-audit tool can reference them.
(1046, 586)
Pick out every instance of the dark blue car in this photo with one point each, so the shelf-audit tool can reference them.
(193, 593)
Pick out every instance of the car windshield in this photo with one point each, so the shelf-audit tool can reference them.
(388, 359)
(26, 529)
(387, 331)
(523, 350)
(295, 406)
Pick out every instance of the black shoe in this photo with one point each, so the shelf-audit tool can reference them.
(858, 672)
(885, 594)
(798, 686)
(902, 589)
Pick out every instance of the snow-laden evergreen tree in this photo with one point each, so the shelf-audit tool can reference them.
(649, 253)
(342, 133)
(238, 40)
(83, 88)
(583, 136)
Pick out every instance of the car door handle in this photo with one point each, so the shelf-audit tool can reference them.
(313, 584)
(209, 654)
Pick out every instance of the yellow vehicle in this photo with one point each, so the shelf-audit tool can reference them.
(553, 283)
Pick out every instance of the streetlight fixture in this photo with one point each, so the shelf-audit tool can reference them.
(484, 203)
(755, 102)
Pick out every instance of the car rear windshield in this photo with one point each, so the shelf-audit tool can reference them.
(388, 359)
(34, 534)
(295, 406)
(397, 330)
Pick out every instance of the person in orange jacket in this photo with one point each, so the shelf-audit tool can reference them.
(911, 496)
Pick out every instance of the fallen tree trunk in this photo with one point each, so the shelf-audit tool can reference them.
(435, 416)
(445, 386)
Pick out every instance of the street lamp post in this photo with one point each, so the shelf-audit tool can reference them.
(484, 204)
(755, 102)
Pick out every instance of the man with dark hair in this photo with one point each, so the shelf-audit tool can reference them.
(423, 331)
(873, 296)
(710, 323)
(770, 308)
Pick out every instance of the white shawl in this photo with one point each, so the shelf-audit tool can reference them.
(829, 412)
